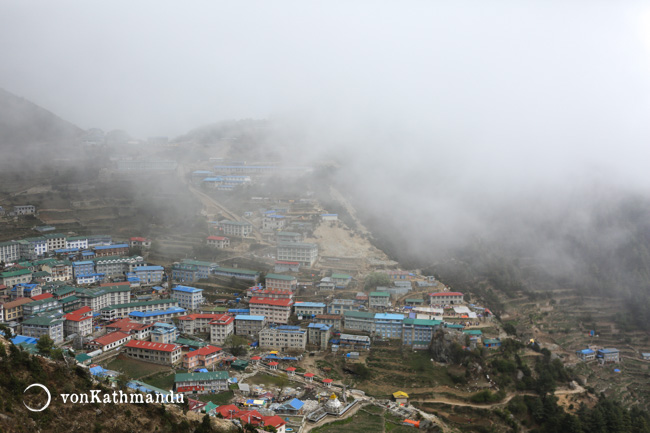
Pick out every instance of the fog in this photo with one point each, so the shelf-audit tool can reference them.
(444, 117)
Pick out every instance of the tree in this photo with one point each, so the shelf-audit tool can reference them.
(375, 279)
(236, 344)
(44, 344)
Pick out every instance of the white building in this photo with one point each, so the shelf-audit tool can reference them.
(275, 310)
(234, 228)
(221, 328)
(304, 253)
(283, 337)
(189, 298)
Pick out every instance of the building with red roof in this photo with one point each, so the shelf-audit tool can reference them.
(269, 293)
(218, 241)
(79, 322)
(138, 331)
(139, 242)
(110, 341)
(42, 296)
(158, 353)
(446, 298)
(196, 323)
(275, 310)
(203, 357)
(220, 328)
(252, 416)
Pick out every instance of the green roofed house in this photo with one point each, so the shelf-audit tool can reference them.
(201, 383)
(473, 332)
(51, 325)
(281, 282)
(341, 280)
(239, 364)
(417, 333)
(83, 358)
(359, 321)
(379, 300)
(457, 326)
(190, 343)
(11, 278)
(413, 302)
(240, 274)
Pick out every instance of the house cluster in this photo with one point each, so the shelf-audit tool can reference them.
(602, 355)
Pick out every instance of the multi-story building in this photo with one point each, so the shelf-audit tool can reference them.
(13, 310)
(51, 325)
(283, 338)
(79, 322)
(341, 280)
(388, 325)
(105, 296)
(149, 275)
(117, 266)
(139, 242)
(189, 298)
(359, 321)
(157, 353)
(355, 342)
(218, 241)
(84, 267)
(234, 228)
(80, 242)
(309, 309)
(269, 293)
(240, 274)
(192, 270)
(201, 383)
(95, 240)
(606, 356)
(305, 253)
(284, 266)
(165, 333)
(11, 278)
(55, 241)
(9, 251)
(400, 275)
(41, 306)
(60, 270)
(334, 320)
(340, 306)
(281, 282)
(446, 298)
(119, 311)
(275, 310)
(157, 315)
(249, 325)
(379, 300)
(417, 333)
(197, 323)
(586, 354)
(273, 222)
(221, 328)
(318, 334)
(109, 341)
(111, 250)
(288, 237)
(27, 209)
(25, 289)
(205, 357)
(137, 331)
(32, 248)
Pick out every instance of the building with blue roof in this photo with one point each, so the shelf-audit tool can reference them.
(607, 356)
(165, 333)
(283, 338)
(148, 317)
(319, 334)
(388, 325)
(309, 309)
(149, 275)
(83, 268)
(586, 354)
(249, 325)
(189, 298)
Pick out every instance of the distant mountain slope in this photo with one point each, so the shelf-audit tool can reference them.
(25, 123)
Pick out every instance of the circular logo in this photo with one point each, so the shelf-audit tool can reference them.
(49, 397)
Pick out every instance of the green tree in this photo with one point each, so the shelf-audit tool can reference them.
(375, 279)
(236, 344)
(45, 344)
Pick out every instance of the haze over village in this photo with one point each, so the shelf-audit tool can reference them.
(324, 217)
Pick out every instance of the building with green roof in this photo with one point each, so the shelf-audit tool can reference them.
(50, 324)
(417, 333)
(379, 300)
(201, 383)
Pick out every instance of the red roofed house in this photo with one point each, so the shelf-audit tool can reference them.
(220, 328)
(253, 417)
(270, 293)
(42, 296)
(79, 322)
(275, 310)
(139, 242)
(446, 298)
(158, 353)
(203, 357)
(110, 341)
(195, 405)
(218, 241)
(138, 331)
(195, 323)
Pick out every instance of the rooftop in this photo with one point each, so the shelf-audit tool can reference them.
(191, 377)
(187, 289)
(159, 347)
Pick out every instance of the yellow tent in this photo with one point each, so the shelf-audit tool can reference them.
(400, 394)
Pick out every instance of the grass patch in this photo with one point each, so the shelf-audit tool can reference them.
(133, 368)
(359, 423)
(268, 380)
(218, 399)
(162, 381)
